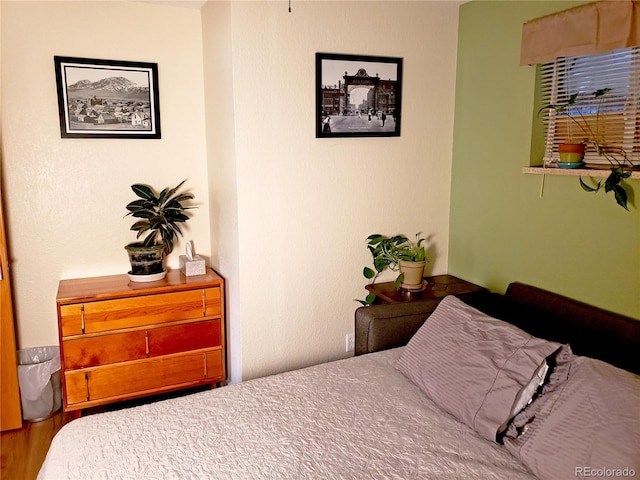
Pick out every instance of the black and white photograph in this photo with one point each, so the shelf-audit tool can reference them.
(107, 98)
(358, 95)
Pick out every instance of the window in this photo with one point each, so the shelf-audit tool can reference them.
(617, 111)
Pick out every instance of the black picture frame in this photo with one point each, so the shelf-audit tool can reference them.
(358, 95)
(107, 98)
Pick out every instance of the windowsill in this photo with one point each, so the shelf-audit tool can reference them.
(574, 172)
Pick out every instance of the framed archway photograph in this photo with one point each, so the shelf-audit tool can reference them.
(358, 95)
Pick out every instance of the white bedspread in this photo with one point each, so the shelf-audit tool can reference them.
(352, 419)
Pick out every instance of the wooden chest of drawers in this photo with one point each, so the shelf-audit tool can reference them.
(121, 340)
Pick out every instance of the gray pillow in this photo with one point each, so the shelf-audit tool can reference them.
(588, 425)
(474, 366)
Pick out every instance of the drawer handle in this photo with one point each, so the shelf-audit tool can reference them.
(82, 317)
(146, 342)
(206, 374)
(204, 303)
(86, 379)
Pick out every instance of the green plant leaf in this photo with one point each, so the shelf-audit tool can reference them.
(181, 217)
(375, 239)
(175, 229)
(148, 214)
(560, 107)
(142, 226)
(368, 300)
(182, 197)
(573, 98)
(612, 180)
(169, 192)
(136, 205)
(368, 273)
(399, 239)
(621, 196)
(398, 281)
(601, 92)
(546, 107)
(143, 191)
(588, 188)
(380, 264)
(149, 240)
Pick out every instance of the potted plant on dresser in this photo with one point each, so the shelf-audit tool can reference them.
(398, 254)
(158, 217)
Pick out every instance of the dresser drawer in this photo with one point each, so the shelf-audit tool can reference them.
(82, 352)
(93, 351)
(181, 338)
(152, 375)
(105, 315)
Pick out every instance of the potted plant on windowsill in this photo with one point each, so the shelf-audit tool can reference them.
(571, 153)
(159, 216)
(398, 254)
(591, 133)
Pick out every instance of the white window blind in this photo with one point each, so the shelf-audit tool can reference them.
(617, 111)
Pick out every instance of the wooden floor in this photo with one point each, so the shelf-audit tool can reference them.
(23, 451)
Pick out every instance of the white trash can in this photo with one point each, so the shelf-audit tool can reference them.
(39, 380)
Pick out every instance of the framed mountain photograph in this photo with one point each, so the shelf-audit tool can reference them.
(107, 98)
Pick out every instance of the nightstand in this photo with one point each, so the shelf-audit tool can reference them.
(438, 286)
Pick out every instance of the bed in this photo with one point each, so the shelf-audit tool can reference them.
(398, 410)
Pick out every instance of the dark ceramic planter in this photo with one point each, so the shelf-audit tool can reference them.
(145, 260)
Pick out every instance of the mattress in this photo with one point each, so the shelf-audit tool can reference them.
(357, 418)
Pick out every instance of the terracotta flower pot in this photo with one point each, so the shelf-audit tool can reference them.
(571, 152)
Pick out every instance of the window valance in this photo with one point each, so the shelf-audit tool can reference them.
(585, 30)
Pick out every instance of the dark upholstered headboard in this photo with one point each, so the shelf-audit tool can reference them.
(590, 331)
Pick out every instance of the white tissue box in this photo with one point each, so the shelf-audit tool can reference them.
(192, 267)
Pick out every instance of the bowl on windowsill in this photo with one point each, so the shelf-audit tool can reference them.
(571, 164)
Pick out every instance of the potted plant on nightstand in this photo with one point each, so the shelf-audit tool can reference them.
(159, 216)
(589, 125)
(398, 254)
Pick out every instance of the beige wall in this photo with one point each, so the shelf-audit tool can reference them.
(305, 205)
(284, 215)
(223, 188)
(65, 198)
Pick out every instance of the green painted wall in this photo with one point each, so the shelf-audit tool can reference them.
(578, 244)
